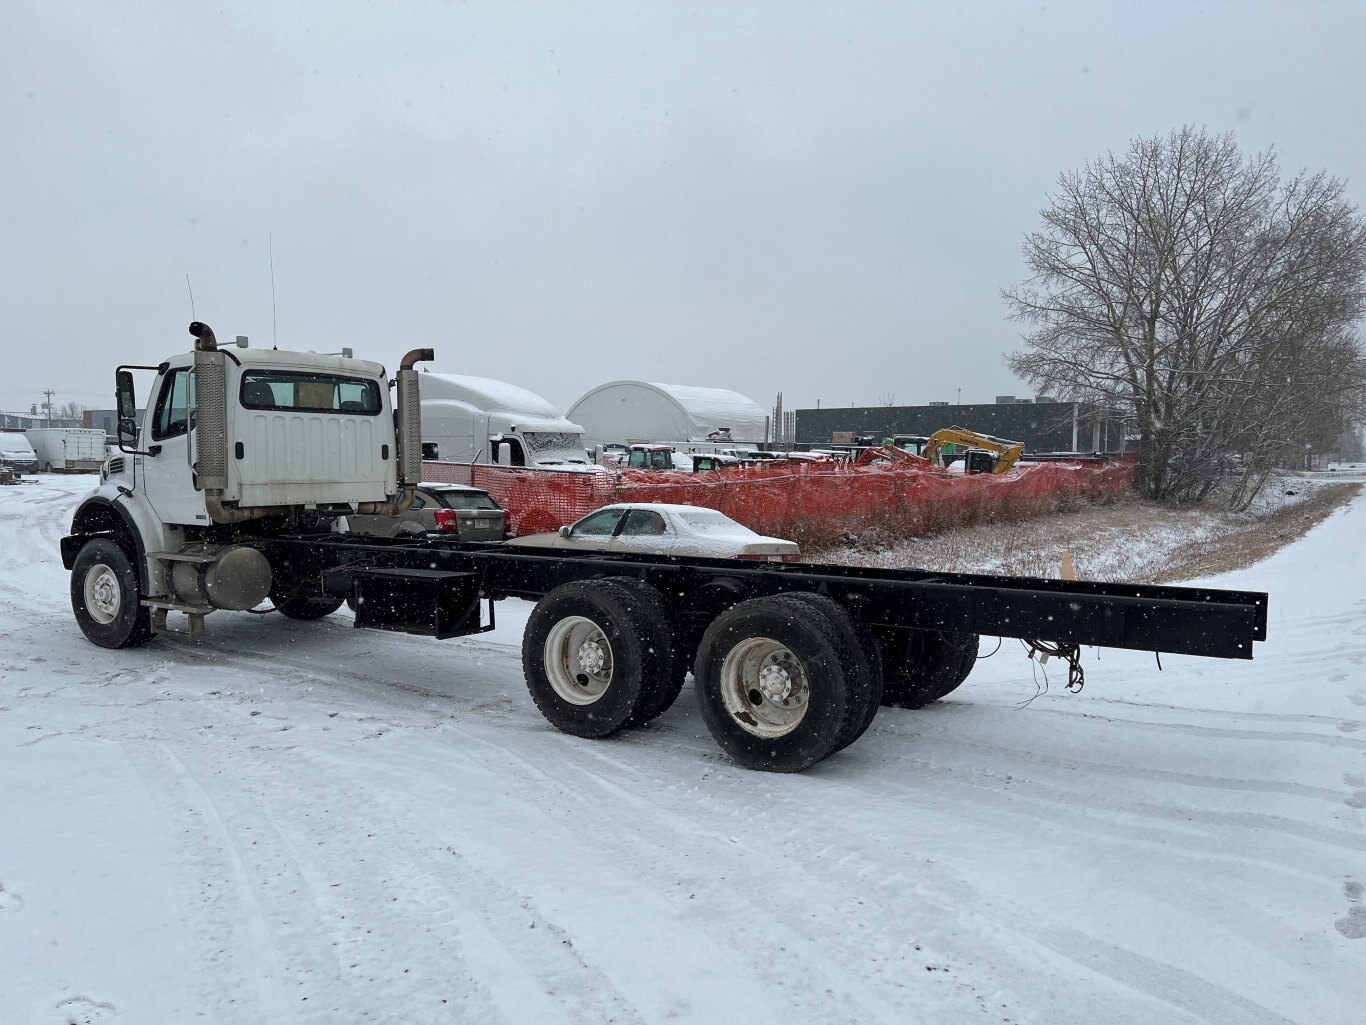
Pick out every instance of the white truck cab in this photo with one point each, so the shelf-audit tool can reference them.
(300, 429)
(237, 445)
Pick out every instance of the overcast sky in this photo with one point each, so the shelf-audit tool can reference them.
(823, 199)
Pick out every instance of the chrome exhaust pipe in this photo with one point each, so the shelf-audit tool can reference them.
(408, 421)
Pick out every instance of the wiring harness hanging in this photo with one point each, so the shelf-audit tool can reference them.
(1070, 653)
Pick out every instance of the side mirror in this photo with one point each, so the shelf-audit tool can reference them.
(564, 531)
(127, 408)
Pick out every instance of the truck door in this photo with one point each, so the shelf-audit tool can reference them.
(165, 471)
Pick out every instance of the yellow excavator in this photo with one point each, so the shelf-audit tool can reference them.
(985, 454)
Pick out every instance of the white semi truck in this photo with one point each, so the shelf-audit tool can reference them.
(480, 420)
(224, 500)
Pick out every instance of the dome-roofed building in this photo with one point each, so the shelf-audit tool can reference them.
(632, 411)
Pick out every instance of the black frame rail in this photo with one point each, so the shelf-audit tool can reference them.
(1145, 617)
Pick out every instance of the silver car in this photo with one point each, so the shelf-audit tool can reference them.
(469, 514)
(657, 529)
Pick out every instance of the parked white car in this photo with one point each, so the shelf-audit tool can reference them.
(645, 528)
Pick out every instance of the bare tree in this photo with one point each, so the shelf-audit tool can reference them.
(1204, 300)
(886, 399)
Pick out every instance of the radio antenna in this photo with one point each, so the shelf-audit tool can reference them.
(274, 341)
(191, 291)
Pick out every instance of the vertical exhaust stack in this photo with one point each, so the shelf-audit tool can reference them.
(409, 415)
(408, 421)
(211, 412)
(210, 430)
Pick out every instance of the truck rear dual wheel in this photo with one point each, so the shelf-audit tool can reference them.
(105, 596)
(597, 656)
(658, 693)
(781, 683)
(921, 666)
(862, 662)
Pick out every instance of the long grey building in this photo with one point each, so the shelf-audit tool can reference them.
(1042, 426)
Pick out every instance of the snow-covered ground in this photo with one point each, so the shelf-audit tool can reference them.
(304, 823)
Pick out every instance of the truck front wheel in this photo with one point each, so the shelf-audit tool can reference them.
(105, 597)
(772, 678)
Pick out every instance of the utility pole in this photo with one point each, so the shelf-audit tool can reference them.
(48, 404)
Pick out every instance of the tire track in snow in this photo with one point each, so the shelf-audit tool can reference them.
(640, 854)
(335, 665)
(1075, 803)
(1227, 733)
(31, 518)
(249, 797)
(963, 739)
(232, 950)
(843, 955)
(266, 914)
(1163, 984)
(1293, 718)
(1200, 1000)
(427, 895)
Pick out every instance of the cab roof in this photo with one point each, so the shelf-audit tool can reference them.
(283, 359)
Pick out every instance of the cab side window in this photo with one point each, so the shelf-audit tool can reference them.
(175, 403)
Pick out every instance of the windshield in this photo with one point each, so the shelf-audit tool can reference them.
(555, 447)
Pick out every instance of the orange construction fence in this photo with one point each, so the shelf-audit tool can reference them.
(798, 500)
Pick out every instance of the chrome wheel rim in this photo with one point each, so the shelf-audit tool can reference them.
(578, 660)
(764, 687)
(103, 595)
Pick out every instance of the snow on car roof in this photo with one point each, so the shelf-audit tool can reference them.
(667, 507)
(715, 523)
(438, 486)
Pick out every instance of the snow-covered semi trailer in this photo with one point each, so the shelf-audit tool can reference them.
(226, 495)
